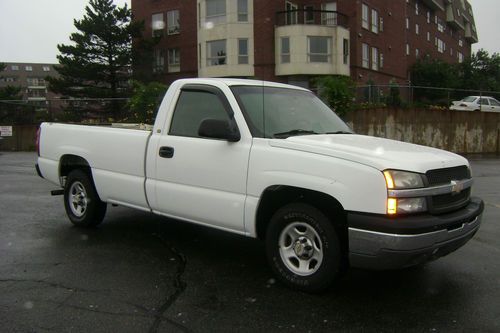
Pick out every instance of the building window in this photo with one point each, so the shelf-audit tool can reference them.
(173, 25)
(428, 36)
(329, 17)
(451, 51)
(374, 58)
(381, 60)
(242, 10)
(285, 50)
(29, 68)
(157, 24)
(428, 17)
(242, 51)
(374, 21)
(416, 8)
(441, 46)
(366, 56)
(309, 14)
(319, 49)
(158, 61)
(14, 67)
(381, 24)
(345, 51)
(460, 43)
(407, 23)
(291, 13)
(417, 52)
(407, 49)
(365, 21)
(417, 29)
(174, 60)
(460, 57)
(46, 68)
(216, 11)
(216, 51)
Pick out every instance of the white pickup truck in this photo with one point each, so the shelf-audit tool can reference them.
(270, 161)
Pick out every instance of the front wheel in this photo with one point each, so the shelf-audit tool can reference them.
(81, 201)
(303, 248)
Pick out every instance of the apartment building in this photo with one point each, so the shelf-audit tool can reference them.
(292, 41)
(31, 78)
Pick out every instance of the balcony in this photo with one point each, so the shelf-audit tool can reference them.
(434, 4)
(454, 17)
(311, 17)
(471, 33)
(311, 42)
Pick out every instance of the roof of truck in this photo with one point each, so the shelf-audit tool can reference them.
(242, 82)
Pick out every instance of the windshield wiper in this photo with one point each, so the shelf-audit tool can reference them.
(292, 133)
(339, 132)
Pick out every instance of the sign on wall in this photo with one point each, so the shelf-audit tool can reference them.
(5, 130)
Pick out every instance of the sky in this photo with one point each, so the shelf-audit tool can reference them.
(31, 29)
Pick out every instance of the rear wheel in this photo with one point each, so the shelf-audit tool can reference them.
(303, 248)
(81, 201)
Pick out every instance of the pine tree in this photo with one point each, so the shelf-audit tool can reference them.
(98, 63)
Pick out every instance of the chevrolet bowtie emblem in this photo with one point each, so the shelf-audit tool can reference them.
(456, 187)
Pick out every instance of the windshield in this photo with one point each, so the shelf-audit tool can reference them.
(280, 112)
(469, 99)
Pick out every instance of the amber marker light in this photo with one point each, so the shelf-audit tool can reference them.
(392, 206)
(388, 179)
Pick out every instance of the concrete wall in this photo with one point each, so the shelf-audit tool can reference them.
(460, 132)
(22, 139)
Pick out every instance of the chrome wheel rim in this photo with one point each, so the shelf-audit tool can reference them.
(300, 248)
(78, 200)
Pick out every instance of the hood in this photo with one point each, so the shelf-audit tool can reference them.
(372, 151)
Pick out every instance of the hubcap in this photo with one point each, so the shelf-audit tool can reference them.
(78, 199)
(300, 248)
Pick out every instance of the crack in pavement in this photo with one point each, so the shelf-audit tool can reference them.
(179, 287)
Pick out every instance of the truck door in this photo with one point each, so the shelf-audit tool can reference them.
(197, 178)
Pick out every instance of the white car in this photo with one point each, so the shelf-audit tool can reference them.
(476, 103)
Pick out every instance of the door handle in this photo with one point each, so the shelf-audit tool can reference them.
(166, 152)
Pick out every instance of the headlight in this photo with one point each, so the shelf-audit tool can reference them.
(396, 179)
(401, 180)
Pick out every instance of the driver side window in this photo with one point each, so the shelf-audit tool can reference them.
(194, 106)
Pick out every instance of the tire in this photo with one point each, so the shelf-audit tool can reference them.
(81, 201)
(303, 248)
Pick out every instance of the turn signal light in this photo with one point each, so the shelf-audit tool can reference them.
(389, 180)
(392, 206)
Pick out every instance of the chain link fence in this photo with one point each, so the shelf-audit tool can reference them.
(85, 111)
(394, 95)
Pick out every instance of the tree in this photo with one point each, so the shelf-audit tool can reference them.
(145, 101)
(337, 91)
(12, 112)
(481, 72)
(98, 63)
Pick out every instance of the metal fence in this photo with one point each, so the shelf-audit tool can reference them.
(91, 111)
(409, 96)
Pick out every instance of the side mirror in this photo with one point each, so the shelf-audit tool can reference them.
(218, 129)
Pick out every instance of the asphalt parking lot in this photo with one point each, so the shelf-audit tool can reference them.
(140, 273)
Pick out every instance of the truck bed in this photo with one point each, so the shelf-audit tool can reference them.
(116, 156)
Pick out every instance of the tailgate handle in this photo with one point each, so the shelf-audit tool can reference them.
(166, 152)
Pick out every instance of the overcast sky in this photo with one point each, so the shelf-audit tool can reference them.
(31, 29)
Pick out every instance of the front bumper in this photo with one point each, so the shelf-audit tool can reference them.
(380, 242)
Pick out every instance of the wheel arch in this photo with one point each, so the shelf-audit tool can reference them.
(70, 162)
(277, 196)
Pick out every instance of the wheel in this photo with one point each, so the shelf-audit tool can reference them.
(303, 248)
(81, 201)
